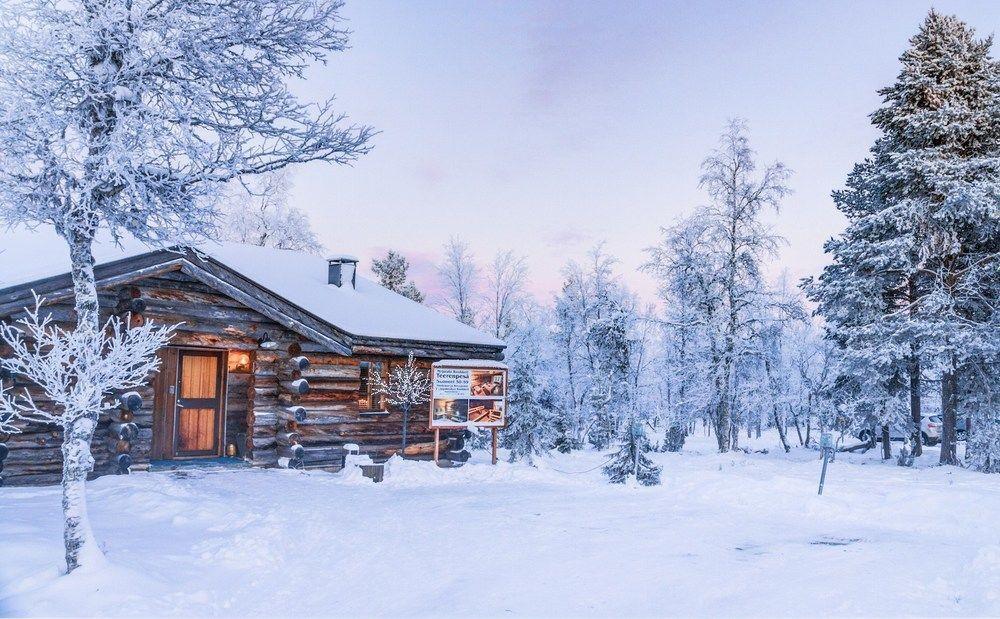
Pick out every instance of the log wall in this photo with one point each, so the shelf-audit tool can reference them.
(257, 400)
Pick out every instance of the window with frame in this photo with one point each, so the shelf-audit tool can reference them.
(368, 398)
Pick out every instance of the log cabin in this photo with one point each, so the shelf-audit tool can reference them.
(272, 363)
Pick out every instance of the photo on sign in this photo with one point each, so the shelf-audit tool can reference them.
(488, 412)
(488, 383)
(448, 411)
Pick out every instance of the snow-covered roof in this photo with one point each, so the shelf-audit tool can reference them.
(298, 277)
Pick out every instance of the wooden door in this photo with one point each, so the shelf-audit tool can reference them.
(200, 399)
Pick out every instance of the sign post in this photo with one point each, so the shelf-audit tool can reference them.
(468, 394)
(826, 444)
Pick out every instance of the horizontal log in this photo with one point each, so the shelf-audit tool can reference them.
(261, 442)
(130, 401)
(299, 363)
(294, 452)
(264, 457)
(124, 431)
(292, 413)
(296, 387)
(208, 340)
(287, 438)
(123, 462)
(417, 449)
(118, 446)
(324, 386)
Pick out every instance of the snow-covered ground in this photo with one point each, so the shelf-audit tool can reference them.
(724, 535)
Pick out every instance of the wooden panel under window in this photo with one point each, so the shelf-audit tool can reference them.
(196, 429)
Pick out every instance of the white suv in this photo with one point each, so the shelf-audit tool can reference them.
(930, 431)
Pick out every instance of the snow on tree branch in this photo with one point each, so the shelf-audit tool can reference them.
(407, 385)
(132, 114)
(74, 368)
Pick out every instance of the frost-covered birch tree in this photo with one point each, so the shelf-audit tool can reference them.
(127, 116)
(710, 267)
(257, 212)
(76, 369)
(740, 242)
(505, 294)
(586, 298)
(460, 282)
(682, 265)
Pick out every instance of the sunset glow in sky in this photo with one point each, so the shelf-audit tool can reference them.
(546, 127)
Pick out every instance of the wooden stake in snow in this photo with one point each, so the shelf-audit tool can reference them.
(826, 444)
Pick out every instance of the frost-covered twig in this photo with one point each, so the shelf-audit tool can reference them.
(75, 368)
(408, 386)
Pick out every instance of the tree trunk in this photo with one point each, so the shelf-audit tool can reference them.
(798, 428)
(886, 444)
(949, 417)
(723, 420)
(915, 416)
(774, 409)
(781, 431)
(78, 461)
(406, 424)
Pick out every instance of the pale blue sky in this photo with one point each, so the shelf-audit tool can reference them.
(545, 127)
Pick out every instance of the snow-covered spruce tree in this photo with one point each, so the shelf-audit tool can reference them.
(531, 404)
(256, 211)
(127, 115)
(621, 346)
(630, 462)
(408, 386)
(914, 274)
(393, 273)
(75, 369)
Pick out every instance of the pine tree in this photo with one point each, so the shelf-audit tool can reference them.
(914, 274)
(631, 461)
(393, 273)
(612, 392)
(532, 420)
